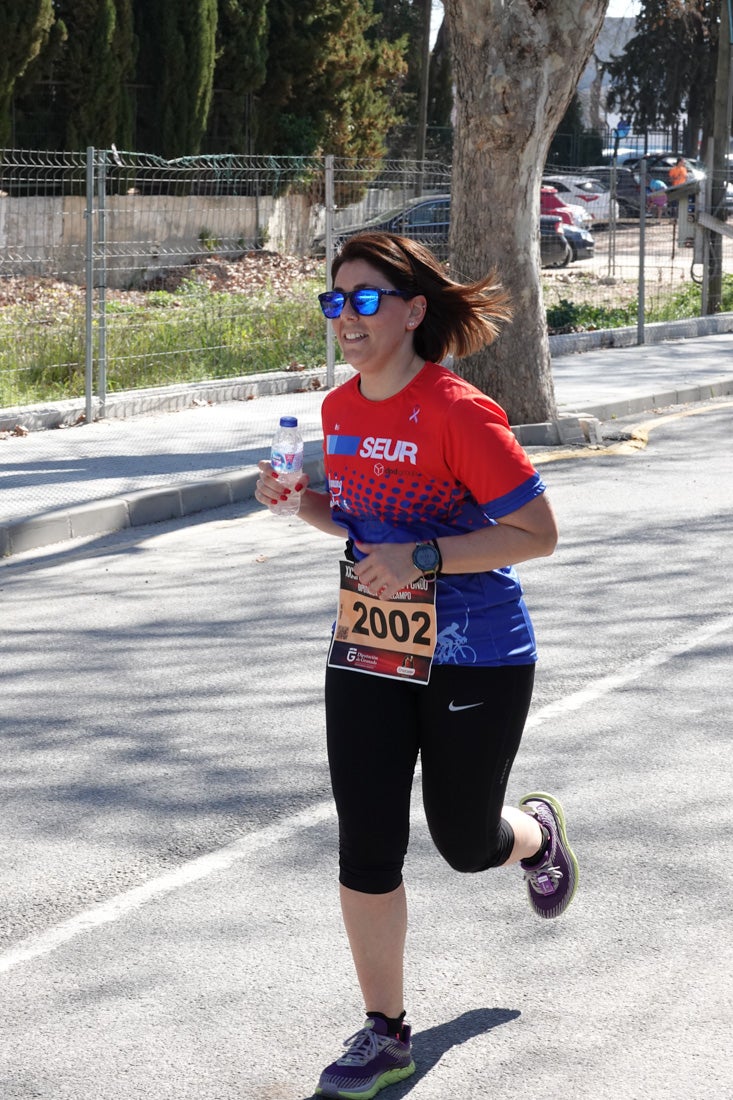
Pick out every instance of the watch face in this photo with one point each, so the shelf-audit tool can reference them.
(425, 557)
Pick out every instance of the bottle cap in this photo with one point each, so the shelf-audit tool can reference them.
(288, 422)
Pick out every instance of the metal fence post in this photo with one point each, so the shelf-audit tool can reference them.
(89, 295)
(612, 222)
(642, 252)
(102, 285)
(330, 207)
(703, 204)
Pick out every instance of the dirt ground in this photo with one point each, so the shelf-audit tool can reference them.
(609, 279)
(253, 271)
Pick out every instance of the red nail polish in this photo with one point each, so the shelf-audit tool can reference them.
(298, 487)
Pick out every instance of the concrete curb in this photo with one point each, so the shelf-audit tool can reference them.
(579, 426)
(657, 333)
(135, 509)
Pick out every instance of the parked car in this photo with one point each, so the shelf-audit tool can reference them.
(627, 187)
(551, 202)
(427, 219)
(555, 248)
(580, 190)
(582, 242)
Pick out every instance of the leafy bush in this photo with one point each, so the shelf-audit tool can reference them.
(687, 302)
(569, 316)
(585, 317)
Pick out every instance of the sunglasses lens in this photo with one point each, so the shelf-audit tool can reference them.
(332, 302)
(365, 302)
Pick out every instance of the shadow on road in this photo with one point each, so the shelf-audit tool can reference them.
(428, 1047)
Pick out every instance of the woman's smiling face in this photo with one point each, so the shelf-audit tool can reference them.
(385, 339)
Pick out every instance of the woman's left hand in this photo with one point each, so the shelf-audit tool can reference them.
(387, 567)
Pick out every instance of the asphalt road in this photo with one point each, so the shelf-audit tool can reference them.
(168, 913)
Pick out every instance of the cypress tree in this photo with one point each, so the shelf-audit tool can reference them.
(241, 56)
(25, 26)
(93, 72)
(402, 20)
(176, 71)
(329, 87)
(440, 99)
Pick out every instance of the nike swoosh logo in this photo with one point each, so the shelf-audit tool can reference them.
(467, 706)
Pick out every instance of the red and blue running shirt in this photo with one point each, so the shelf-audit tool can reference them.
(438, 458)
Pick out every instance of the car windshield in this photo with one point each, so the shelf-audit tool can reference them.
(422, 213)
(596, 185)
(386, 216)
(427, 214)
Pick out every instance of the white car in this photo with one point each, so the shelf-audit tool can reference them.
(587, 192)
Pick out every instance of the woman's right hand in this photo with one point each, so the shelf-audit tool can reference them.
(270, 491)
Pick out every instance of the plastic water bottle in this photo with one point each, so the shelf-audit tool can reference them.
(286, 459)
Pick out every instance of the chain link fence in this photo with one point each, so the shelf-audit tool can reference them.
(123, 272)
(654, 268)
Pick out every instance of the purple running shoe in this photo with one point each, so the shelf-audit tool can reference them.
(551, 884)
(372, 1060)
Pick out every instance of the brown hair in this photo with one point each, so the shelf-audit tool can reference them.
(459, 319)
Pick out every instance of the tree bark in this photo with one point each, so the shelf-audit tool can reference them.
(516, 65)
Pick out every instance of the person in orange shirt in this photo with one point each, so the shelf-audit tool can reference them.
(678, 173)
(677, 176)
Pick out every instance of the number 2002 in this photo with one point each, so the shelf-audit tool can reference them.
(372, 620)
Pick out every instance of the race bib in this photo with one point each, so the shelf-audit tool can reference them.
(393, 638)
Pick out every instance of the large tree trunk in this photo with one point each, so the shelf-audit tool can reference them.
(516, 65)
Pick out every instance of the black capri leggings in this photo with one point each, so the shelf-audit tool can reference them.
(466, 724)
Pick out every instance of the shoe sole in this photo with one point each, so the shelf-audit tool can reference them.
(391, 1077)
(560, 819)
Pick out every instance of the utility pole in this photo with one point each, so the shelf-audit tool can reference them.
(721, 145)
(422, 104)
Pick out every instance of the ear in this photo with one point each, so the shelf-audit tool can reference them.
(418, 306)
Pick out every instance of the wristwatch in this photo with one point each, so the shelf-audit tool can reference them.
(426, 557)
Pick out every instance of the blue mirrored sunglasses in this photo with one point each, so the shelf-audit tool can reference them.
(365, 301)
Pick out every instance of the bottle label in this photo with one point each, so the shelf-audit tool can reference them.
(287, 463)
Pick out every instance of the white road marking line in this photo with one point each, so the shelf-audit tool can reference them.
(632, 671)
(112, 910)
(221, 860)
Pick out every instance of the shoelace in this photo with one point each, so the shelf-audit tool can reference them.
(363, 1046)
(534, 876)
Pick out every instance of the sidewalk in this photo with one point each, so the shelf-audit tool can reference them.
(112, 474)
